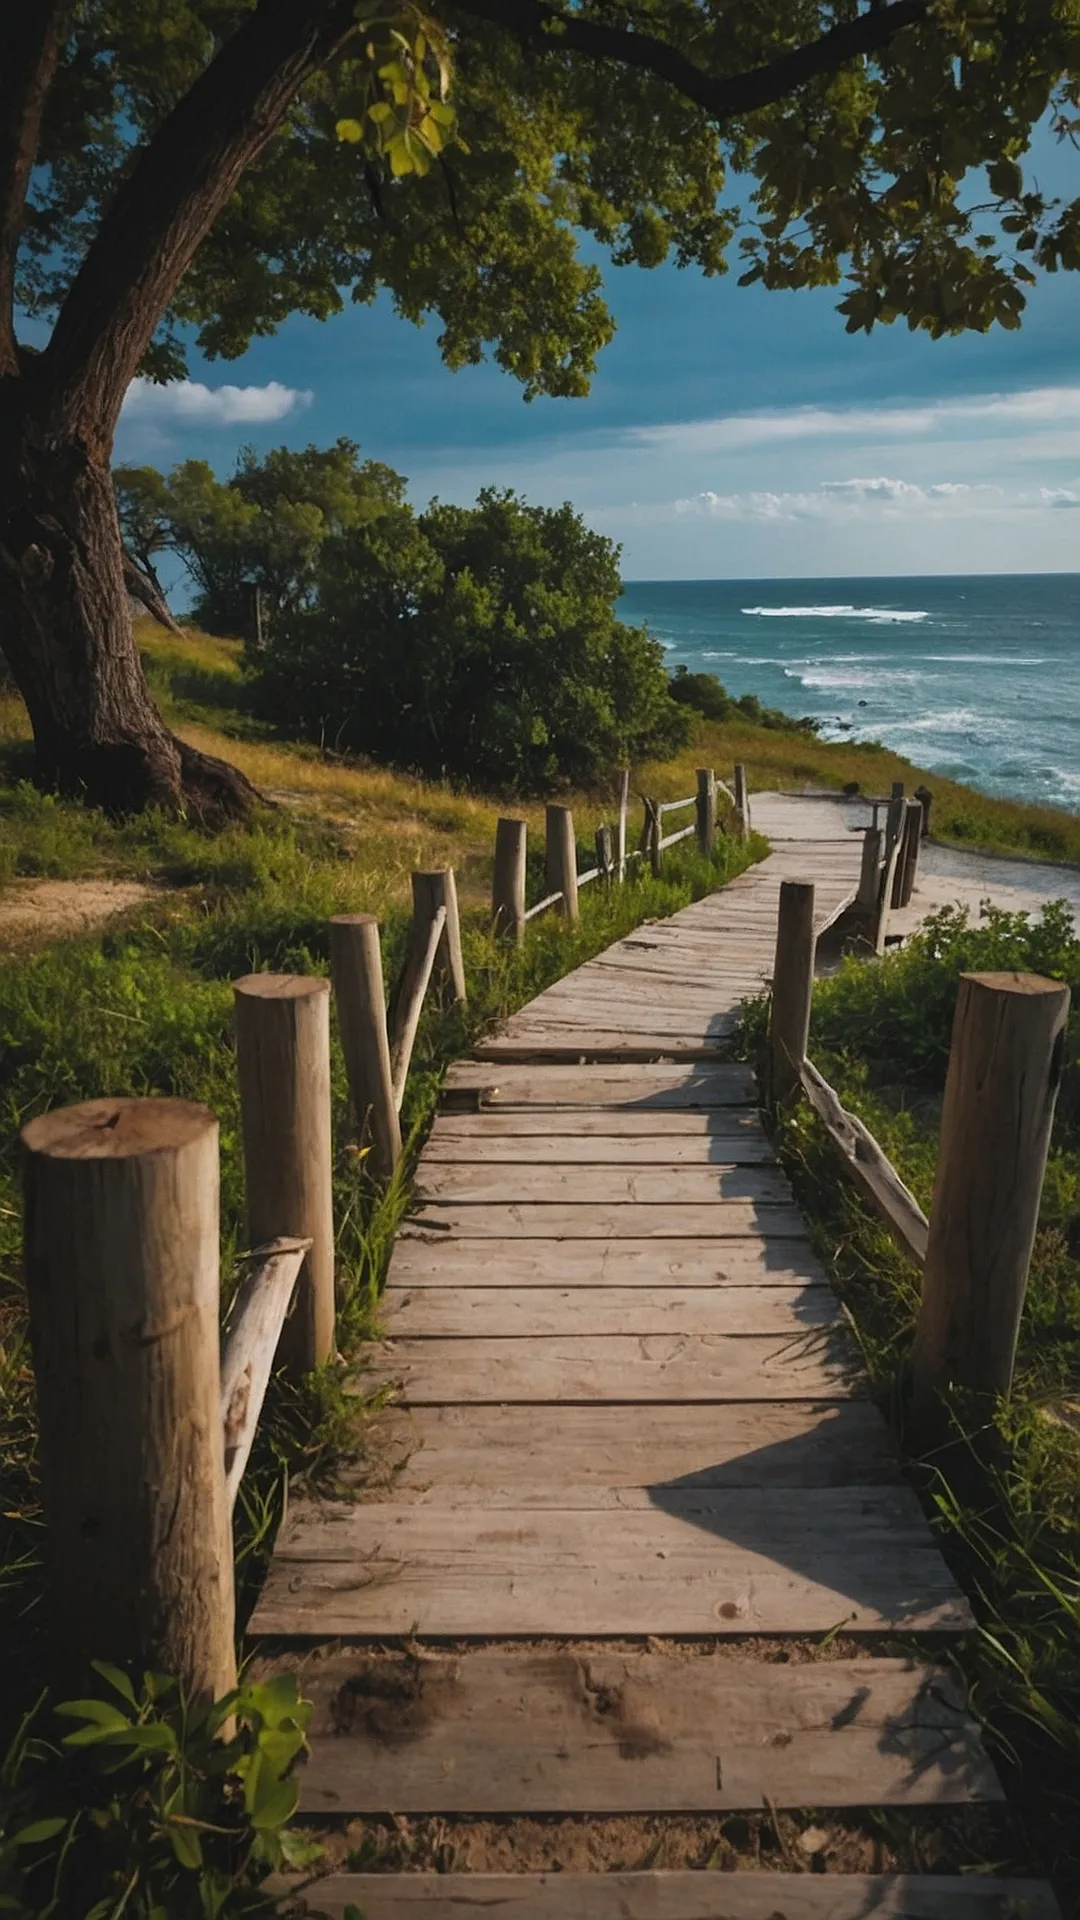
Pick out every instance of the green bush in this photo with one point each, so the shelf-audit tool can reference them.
(706, 695)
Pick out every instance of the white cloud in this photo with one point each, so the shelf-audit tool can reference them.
(189, 403)
(1059, 497)
(863, 498)
(1058, 407)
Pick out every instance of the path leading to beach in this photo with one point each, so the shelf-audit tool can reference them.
(632, 1546)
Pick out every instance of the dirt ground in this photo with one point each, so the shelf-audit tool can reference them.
(34, 911)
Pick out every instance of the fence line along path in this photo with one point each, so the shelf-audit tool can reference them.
(630, 1451)
(673, 987)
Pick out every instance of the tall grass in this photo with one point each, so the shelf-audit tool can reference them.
(880, 1032)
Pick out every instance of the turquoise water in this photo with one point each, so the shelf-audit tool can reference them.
(977, 679)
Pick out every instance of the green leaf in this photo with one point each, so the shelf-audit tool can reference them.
(186, 1845)
(349, 130)
(99, 1711)
(275, 1803)
(37, 1831)
(116, 1679)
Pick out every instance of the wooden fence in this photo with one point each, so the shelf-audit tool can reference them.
(1005, 1064)
(563, 881)
(147, 1412)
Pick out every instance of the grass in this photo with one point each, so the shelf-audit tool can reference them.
(880, 1033)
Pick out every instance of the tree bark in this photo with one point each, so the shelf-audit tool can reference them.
(66, 625)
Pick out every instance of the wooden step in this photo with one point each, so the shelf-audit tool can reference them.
(650, 1088)
(604, 1185)
(433, 1259)
(682, 1896)
(669, 1562)
(547, 1312)
(517, 1456)
(572, 1730)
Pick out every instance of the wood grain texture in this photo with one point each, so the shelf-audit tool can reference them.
(590, 1455)
(653, 1088)
(534, 1219)
(603, 1185)
(431, 1259)
(684, 1896)
(672, 1152)
(521, 1731)
(464, 1312)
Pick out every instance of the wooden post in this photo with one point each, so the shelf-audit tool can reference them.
(742, 802)
(894, 818)
(793, 987)
(121, 1258)
(870, 872)
(926, 800)
(430, 891)
(604, 855)
(508, 881)
(356, 971)
(283, 1063)
(908, 869)
(1008, 1045)
(653, 836)
(705, 810)
(620, 837)
(561, 859)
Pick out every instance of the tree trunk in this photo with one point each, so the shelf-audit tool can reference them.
(66, 629)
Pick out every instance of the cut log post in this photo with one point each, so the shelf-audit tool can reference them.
(654, 836)
(620, 831)
(357, 974)
(605, 858)
(705, 810)
(283, 1064)
(870, 872)
(742, 802)
(1008, 1047)
(508, 881)
(926, 800)
(561, 859)
(908, 868)
(793, 987)
(247, 1354)
(430, 891)
(888, 882)
(121, 1260)
(894, 817)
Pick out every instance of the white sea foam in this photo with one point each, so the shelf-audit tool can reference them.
(987, 659)
(877, 616)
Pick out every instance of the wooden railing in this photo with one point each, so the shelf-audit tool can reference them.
(563, 881)
(147, 1413)
(1005, 1064)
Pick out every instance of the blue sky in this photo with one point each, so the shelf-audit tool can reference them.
(731, 432)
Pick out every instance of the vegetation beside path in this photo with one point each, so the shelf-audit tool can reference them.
(880, 1033)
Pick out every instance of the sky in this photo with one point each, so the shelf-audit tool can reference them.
(730, 432)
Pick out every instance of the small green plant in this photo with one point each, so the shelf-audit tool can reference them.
(153, 1808)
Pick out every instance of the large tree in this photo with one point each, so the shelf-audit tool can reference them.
(173, 169)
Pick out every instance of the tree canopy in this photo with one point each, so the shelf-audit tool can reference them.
(197, 170)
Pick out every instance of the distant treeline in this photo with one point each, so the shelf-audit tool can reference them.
(475, 642)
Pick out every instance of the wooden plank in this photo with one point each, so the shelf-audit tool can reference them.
(654, 1087)
(723, 1123)
(463, 1312)
(581, 1048)
(602, 1186)
(868, 1168)
(734, 1563)
(566, 1731)
(596, 1150)
(685, 1895)
(456, 1455)
(533, 1220)
(813, 1364)
(434, 1260)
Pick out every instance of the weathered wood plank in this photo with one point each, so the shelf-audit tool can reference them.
(572, 1046)
(453, 1456)
(538, 1150)
(603, 1185)
(737, 1562)
(532, 1220)
(465, 1312)
(653, 1087)
(495, 1731)
(722, 1123)
(684, 1896)
(434, 1260)
(813, 1364)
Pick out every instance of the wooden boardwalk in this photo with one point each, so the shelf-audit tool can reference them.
(630, 1452)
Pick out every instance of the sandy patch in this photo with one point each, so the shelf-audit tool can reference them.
(33, 911)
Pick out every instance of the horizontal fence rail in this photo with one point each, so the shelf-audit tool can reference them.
(510, 915)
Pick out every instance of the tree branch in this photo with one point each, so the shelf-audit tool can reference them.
(181, 181)
(33, 37)
(143, 588)
(723, 97)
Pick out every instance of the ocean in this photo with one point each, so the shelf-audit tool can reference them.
(975, 678)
